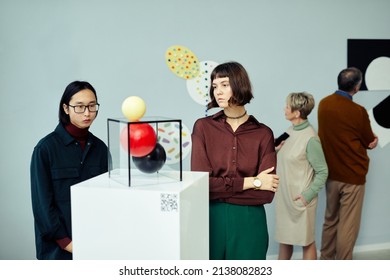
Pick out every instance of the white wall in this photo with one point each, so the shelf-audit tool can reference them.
(119, 46)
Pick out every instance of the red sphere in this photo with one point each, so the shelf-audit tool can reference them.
(142, 139)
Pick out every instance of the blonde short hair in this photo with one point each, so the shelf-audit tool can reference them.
(302, 102)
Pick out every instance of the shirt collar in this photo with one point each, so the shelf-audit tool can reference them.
(220, 114)
(343, 93)
(66, 137)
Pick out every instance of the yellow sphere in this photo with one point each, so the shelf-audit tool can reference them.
(133, 107)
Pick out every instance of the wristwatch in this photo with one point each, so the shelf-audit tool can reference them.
(256, 183)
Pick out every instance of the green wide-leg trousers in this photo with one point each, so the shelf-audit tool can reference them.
(238, 232)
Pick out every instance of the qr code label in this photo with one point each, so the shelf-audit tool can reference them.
(169, 202)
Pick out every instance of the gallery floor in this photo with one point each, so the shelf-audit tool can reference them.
(383, 254)
(370, 253)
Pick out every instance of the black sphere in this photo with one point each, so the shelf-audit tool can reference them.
(152, 162)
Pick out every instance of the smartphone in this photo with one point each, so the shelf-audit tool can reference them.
(281, 138)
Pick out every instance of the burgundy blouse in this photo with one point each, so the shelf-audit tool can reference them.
(230, 156)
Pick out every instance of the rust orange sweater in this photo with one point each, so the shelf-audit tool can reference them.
(345, 132)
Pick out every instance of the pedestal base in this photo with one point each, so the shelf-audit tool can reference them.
(161, 220)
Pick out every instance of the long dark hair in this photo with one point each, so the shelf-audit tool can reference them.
(71, 90)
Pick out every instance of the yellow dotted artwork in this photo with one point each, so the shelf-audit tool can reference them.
(182, 62)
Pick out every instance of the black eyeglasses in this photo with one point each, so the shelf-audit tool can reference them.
(79, 109)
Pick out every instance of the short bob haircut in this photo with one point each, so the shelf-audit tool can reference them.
(349, 78)
(302, 102)
(238, 80)
(71, 90)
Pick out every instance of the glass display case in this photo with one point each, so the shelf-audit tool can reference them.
(145, 152)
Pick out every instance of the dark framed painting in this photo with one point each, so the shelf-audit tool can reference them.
(372, 57)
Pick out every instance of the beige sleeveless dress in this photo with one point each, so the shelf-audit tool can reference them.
(295, 223)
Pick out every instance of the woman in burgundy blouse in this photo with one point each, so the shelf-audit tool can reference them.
(239, 154)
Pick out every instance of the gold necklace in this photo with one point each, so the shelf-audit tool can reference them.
(235, 118)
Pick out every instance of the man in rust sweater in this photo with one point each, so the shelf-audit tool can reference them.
(345, 132)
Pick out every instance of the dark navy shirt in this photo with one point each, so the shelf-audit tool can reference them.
(343, 93)
(57, 163)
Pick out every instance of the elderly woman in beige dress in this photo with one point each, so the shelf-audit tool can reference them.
(303, 172)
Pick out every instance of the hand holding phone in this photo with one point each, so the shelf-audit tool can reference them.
(281, 138)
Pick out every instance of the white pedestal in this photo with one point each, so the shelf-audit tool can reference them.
(164, 220)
